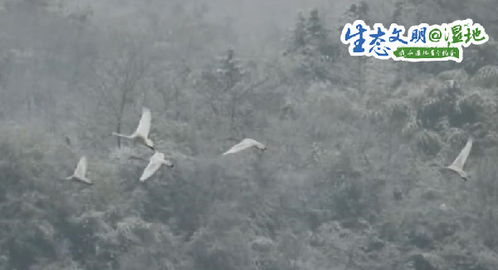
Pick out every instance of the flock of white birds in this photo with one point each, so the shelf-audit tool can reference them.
(141, 135)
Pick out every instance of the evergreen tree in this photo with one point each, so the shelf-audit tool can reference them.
(230, 70)
(311, 47)
(315, 28)
(299, 33)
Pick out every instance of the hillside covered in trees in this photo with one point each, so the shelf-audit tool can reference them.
(351, 178)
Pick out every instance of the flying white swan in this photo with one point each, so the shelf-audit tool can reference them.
(142, 132)
(155, 163)
(80, 172)
(457, 165)
(245, 144)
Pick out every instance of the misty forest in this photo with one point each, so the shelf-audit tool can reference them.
(348, 173)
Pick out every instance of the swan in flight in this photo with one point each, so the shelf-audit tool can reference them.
(245, 144)
(457, 165)
(80, 172)
(142, 131)
(155, 163)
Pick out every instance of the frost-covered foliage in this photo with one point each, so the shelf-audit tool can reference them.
(350, 179)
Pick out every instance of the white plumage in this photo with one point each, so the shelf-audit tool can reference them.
(245, 144)
(142, 131)
(155, 163)
(457, 165)
(80, 172)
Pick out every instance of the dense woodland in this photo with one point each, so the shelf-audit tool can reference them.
(351, 179)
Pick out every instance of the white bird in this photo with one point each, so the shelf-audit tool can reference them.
(155, 163)
(142, 131)
(457, 165)
(245, 144)
(443, 207)
(80, 172)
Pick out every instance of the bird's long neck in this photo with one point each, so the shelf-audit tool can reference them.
(121, 135)
(149, 143)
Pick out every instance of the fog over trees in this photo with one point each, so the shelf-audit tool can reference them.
(351, 176)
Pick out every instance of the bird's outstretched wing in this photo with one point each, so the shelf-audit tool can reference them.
(151, 168)
(144, 124)
(244, 144)
(84, 180)
(81, 168)
(462, 157)
(238, 147)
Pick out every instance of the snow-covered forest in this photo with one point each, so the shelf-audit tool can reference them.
(351, 178)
